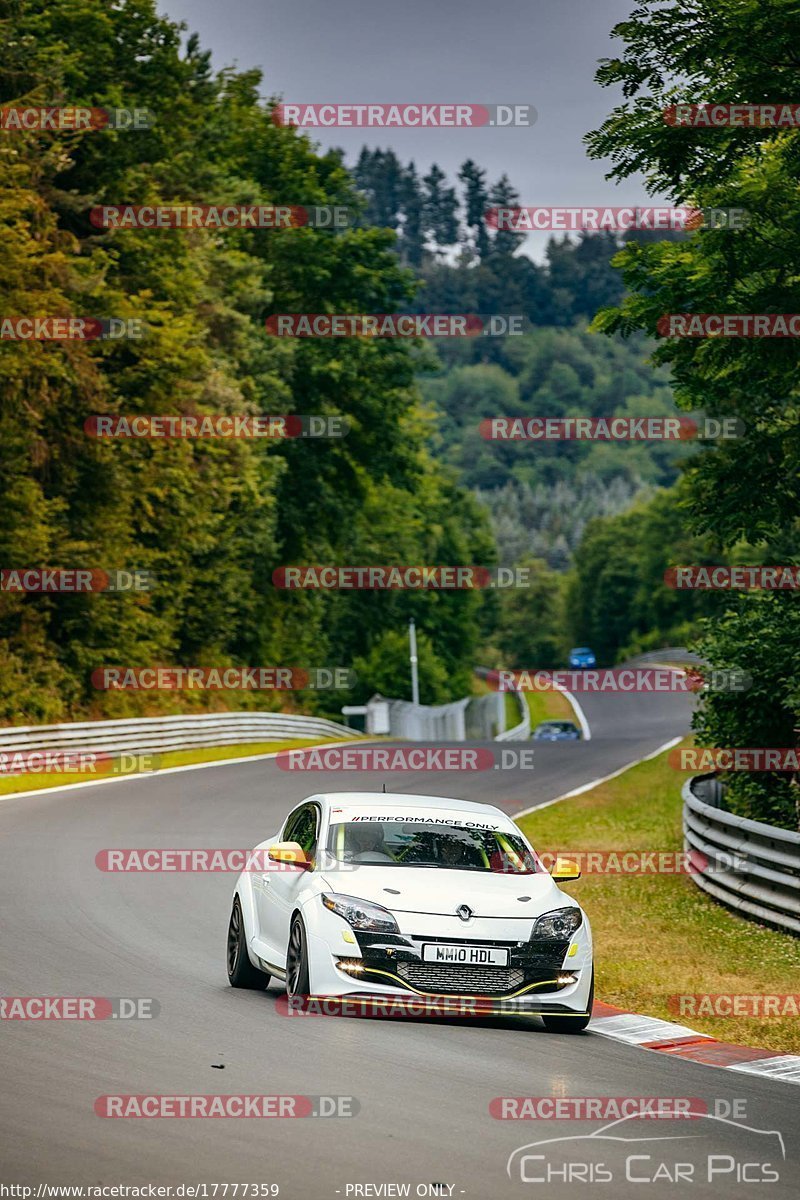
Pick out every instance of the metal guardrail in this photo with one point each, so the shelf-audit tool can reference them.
(746, 865)
(676, 654)
(159, 734)
(475, 717)
(520, 732)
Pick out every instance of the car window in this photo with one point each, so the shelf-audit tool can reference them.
(302, 828)
(420, 843)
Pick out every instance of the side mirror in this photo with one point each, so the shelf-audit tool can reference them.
(565, 870)
(291, 853)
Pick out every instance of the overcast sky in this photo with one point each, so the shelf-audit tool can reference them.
(540, 52)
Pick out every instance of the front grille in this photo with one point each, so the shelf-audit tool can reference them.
(469, 981)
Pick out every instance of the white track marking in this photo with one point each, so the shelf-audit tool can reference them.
(140, 775)
(587, 787)
(635, 1028)
(579, 713)
(783, 1066)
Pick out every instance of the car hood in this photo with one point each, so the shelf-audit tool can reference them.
(438, 890)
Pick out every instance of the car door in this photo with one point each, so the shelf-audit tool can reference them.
(279, 888)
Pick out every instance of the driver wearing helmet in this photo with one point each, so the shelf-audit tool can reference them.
(365, 843)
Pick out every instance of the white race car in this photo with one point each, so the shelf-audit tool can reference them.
(367, 895)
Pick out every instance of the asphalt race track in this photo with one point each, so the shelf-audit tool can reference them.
(423, 1087)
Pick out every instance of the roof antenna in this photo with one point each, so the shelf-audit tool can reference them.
(384, 789)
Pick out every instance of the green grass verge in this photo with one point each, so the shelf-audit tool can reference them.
(173, 758)
(658, 936)
(512, 710)
(549, 706)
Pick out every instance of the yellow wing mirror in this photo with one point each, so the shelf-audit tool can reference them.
(565, 870)
(291, 853)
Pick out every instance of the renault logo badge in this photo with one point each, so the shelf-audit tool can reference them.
(464, 912)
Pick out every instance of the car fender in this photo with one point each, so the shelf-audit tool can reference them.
(245, 891)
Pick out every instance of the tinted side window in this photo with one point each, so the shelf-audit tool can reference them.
(302, 828)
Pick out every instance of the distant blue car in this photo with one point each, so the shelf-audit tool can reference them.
(557, 731)
(581, 657)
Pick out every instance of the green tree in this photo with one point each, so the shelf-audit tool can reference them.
(210, 519)
(746, 488)
(531, 634)
(618, 602)
(476, 202)
(386, 670)
(440, 210)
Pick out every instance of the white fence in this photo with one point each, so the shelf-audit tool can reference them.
(427, 722)
(478, 718)
(746, 865)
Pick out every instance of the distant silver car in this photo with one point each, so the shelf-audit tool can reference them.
(557, 731)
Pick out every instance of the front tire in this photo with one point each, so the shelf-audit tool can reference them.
(557, 1024)
(297, 974)
(241, 972)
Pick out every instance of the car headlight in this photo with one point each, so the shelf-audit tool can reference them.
(561, 923)
(360, 914)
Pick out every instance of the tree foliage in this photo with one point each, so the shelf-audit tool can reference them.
(210, 519)
(747, 489)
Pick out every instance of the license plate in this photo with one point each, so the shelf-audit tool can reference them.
(473, 956)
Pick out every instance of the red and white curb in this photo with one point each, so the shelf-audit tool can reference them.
(668, 1037)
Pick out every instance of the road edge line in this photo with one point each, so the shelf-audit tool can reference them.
(579, 713)
(140, 775)
(587, 787)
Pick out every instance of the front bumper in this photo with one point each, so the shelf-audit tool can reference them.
(397, 958)
(391, 965)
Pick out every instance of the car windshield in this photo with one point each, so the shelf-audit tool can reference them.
(556, 727)
(420, 844)
(582, 650)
